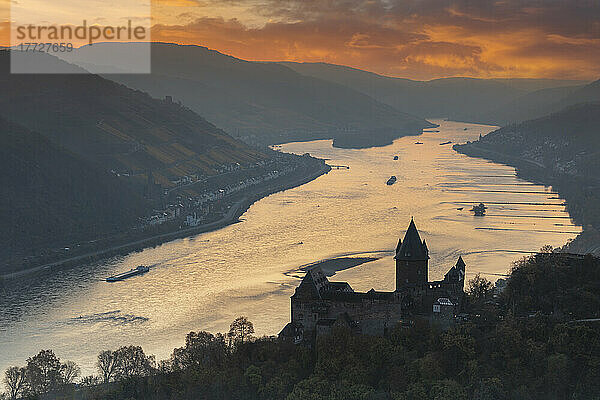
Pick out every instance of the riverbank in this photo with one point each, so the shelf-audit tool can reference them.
(238, 208)
(365, 140)
(588, 241)
(333, 265)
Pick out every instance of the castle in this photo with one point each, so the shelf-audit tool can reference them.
(318, 304)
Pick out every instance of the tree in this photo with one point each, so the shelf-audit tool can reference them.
(107, 365)
(415, 391)
(70, 371)
(253, 375)
(132, 361)
(44, 372)
(201, 349)
(240, 329)
(14, 380)
(90, 381)
(489, 389)
(459, 348)
(447, 390)
(479, 288)
(313, 388)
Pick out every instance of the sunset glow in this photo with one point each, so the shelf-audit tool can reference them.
(414, 39)
(419, 39)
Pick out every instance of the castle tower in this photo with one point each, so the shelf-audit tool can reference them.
(412, 259)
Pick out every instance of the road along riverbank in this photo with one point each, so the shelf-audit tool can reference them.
(238, 208)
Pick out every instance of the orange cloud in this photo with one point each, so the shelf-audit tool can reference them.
(4, 23)
(409, 38)
(4, 34)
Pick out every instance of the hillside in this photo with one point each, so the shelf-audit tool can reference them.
(532, 105)
(262, 102)
(566, 142)
(455, 98)
(50, 197)
(541, 103)
(118, 129)
(586, 94)
(88, 161)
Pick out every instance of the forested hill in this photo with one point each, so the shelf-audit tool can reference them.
(51, 197)
(79, 152)
(265, 102)
(117, 128)
(566, 142)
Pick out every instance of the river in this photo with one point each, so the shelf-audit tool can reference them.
(251, 268)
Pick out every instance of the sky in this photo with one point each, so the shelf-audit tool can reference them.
(417, 39)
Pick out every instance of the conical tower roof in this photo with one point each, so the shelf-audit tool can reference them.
(412, 248)
(460, 264)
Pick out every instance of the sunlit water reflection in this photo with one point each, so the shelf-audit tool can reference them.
(249, 268)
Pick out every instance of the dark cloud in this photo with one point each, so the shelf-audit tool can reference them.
(414, 38)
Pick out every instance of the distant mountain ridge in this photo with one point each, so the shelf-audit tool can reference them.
(541, 103)
(266, 101)
(587, 94)
(466, 99)
(529, 106)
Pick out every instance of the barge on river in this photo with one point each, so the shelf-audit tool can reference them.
(142, 269)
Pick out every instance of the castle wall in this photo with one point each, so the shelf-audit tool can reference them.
(374, 317)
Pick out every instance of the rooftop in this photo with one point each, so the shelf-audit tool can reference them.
(412, 248)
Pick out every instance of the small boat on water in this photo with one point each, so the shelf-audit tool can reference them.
(448, 142)
(479, 210)
(391, 181)
(142, 269)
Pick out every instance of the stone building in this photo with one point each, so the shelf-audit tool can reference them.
(319, 304)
